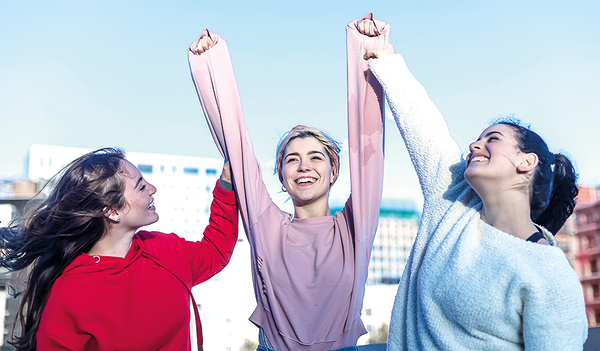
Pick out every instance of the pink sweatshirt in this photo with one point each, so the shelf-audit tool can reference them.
(309, 274)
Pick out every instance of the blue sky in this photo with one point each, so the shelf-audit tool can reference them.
(115, 73)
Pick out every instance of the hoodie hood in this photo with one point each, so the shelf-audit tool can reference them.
(85, 263)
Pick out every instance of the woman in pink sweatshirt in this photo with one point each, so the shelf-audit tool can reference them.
(309, 268)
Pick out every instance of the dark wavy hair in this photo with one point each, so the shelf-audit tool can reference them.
(554, 183)
(58, 229)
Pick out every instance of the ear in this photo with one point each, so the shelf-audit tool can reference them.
(113, 216)
(334, 176)
(528, 163)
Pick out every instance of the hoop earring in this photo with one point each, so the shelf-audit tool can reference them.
(283, 189)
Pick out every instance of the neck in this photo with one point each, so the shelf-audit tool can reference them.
(114, 243)
(318, 209)
(508, 211)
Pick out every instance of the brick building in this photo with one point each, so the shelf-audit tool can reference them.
(587, 224)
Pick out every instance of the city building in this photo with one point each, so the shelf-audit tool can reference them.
(587, 223)
(14, 195)
(398, 225)
(396, 232)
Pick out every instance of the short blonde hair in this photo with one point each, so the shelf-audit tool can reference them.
(332, 147)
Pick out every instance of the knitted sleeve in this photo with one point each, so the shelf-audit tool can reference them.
(434, 154)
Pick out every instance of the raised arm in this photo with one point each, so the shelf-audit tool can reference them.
(209, 256)
(217, 90)
(365, 125)
(435, 155)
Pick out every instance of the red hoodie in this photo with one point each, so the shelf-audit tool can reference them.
(138, 302)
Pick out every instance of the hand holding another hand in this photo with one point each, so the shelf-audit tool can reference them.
(377, 53)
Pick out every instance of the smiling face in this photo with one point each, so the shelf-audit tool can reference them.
(494, 156)
(139, 209)
(306, 171)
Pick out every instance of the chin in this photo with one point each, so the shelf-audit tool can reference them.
(470, 177)
(154, 220)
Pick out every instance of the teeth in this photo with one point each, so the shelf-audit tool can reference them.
(478, 159)
(304, 180)
(151, 205)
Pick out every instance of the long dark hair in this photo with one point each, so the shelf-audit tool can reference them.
(554, 183)
(57, 230)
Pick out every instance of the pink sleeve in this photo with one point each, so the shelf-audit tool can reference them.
(365, 130)
(217, 90)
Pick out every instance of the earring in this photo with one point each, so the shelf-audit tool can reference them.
(118, 220)
(283, 189)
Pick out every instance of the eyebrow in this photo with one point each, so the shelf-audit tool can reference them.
(316, 152)
(309, 153)
(493, 132)
(490, 133)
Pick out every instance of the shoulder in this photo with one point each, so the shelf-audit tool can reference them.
(146, 236)
(152, 241)
(545, 267)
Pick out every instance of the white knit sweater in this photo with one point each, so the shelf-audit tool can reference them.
(468, 285)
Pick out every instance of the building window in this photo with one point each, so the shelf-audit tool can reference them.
(211, 172)
(368, 312)
(145, 168)
(190, 170)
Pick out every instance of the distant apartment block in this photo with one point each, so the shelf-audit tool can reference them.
(394, 239)
(587, 222)
(398, 224)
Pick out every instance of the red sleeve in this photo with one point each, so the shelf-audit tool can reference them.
(210, 255)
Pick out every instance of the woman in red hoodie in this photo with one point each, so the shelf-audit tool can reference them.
(97, 283)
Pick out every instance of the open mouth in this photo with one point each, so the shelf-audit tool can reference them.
(477, 159)
(151, 206)
(305, 180)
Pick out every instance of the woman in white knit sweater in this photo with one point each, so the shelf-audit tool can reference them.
(473, 280)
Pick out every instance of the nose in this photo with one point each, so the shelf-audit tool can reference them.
(151, 189)
(303, 166)
(476, 145)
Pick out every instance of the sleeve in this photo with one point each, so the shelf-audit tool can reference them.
(210, 255)
(365, 130)
(432, 150)
(213, 76)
